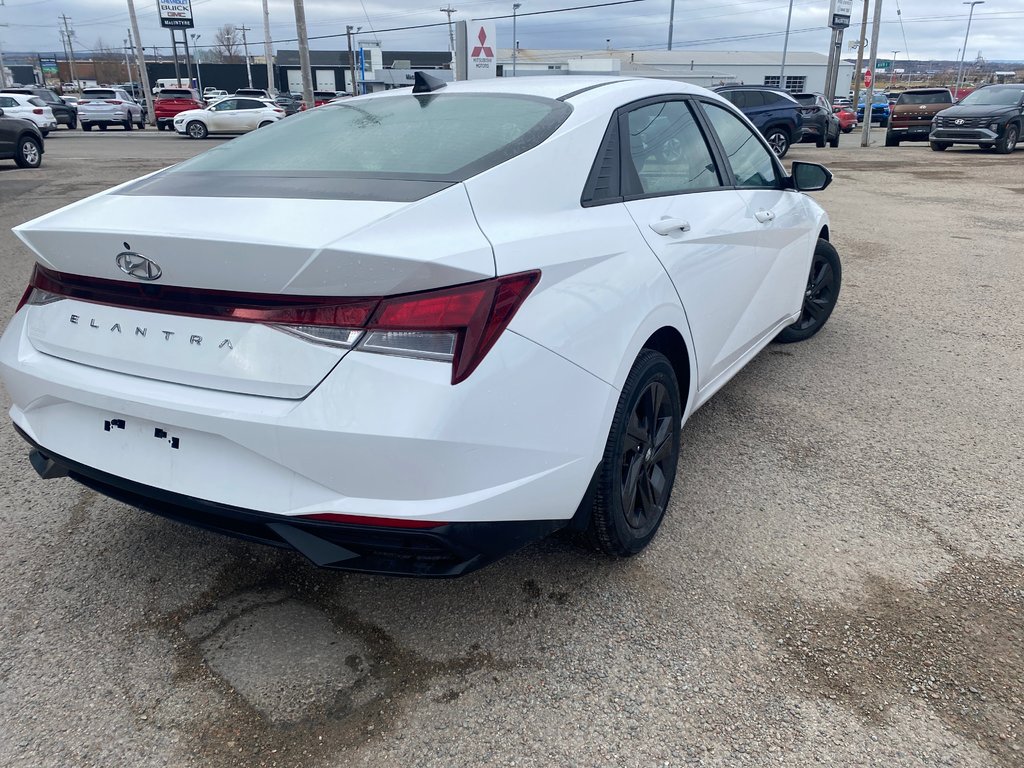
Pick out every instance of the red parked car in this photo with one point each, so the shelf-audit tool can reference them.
(171, 101)
(847, 118)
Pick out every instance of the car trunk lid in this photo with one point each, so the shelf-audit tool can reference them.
(237, 252)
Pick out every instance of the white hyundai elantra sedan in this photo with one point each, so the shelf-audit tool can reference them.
(492, 309)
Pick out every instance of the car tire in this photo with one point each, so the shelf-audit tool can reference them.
(1008, 143)
(196, 130)
(820, 141)
(102, 126)
(986, 147)
(778, 140)
(634, 481)
(939, 146)
(891, 141)
(72, 125)
(141, 125)
(848, 129)
(29, 153)
(265, 123)
(128, 125)
(45, 132)
(86, 126)
(834, 142)
(820, 295)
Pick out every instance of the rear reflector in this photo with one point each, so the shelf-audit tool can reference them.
(385, 522)
(458, 324)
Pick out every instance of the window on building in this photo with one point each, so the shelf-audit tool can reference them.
(795, 84)
(772, 80)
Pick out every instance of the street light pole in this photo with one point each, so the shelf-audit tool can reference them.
(963, 53)
(892, 75)
(195, 52)
(785, 47)
(671, 22)
(515, 42)
(268, 50)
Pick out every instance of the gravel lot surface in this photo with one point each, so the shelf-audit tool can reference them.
(839, 580)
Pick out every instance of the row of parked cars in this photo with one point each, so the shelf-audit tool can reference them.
(784, 118)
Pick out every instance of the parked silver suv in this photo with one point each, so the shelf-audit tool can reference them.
(103, 107)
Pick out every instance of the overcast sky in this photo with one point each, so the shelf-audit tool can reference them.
(931, 29)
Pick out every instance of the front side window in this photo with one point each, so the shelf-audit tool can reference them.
(8, 102)
(751, 161)
(668, 151)
(225, 105)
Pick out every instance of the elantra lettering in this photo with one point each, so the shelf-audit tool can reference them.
(193, 339)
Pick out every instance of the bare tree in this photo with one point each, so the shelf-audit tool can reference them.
(108, 63)
(227, 43)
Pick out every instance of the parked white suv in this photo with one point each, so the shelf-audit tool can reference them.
(104, 107)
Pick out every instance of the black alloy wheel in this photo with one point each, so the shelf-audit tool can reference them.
(639, 467)
(940, 146)
(820, 295)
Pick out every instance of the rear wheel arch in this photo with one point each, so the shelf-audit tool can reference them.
(670, 342)
(823, 234)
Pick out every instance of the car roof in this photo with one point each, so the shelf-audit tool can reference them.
(1003, 86)
(924, 90)
(562, 86)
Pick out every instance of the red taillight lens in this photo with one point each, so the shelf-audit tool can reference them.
(476, 314)
(37, 111)
(114, 101)
(458, 324)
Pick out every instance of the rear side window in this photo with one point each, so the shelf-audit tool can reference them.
(668, 151)
(436, 137)
(35, 101)
(752, 163)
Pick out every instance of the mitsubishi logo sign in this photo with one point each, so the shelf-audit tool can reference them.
(476, 50)
(482, 50)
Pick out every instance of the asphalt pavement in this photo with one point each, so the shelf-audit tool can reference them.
(839, 579)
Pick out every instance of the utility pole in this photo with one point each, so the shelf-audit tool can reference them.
(195, 52)
(307, 73)
(65, 46)
(140, 61)
(865, 137)
(671, 22)
(245, 46)
(349, 31)
(71, 51)
(127, 67)
(268, 52)
(515, 41)
(860, 57)
(451, 30)
(785, 47)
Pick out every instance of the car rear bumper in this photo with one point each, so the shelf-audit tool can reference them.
(452, 549)
(380, 436)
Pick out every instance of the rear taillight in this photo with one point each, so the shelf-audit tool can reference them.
(383, 522)
(115, 101)
(279, 111)
(457, 325)
(37, 111)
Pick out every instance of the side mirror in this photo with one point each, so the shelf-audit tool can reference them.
(810, 177)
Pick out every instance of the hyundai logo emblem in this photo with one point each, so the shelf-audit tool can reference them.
(136, 265)
(958, 121)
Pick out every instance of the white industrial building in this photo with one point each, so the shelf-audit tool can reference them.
(805, 71)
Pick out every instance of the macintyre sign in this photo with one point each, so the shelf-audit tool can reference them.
(175, 14)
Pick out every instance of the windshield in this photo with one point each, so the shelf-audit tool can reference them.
(929, 97)
(437, 137)
(1003, 97)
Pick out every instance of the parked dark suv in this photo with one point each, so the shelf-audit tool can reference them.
(63, 113)
(820, 122)
(913, 114)
(20, 141)
(989, 117)
(774, 113)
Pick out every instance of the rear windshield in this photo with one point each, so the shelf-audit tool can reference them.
(168, 93)
(1004, 97)
(98, 94)
(930, 97)
(431, 137)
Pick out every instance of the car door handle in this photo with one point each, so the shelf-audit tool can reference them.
(667, 225)
(764, 216)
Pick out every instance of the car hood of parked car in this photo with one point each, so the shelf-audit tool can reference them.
(978, 110)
